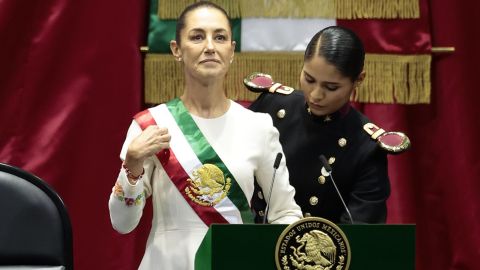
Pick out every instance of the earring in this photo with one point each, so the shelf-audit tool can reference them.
(179, 59)
(231, 60)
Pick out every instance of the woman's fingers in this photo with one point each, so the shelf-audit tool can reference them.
(151, 141)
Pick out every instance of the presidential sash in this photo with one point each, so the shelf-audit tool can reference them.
(194, 167)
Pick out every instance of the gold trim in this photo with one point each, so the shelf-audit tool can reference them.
(377, 133)
(391, 78)
(144, 49)
(340, 9)
(171, 9)
(443, 49)
(404, 145)
(370, 128)
(287, 9)
(401, 79)
(299, 232)
(384, 9)
(248, 82)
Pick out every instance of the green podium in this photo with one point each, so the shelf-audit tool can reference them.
(373, 247)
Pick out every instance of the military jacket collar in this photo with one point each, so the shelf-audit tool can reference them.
(329, 118)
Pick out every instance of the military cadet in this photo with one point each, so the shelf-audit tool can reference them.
(353, 185)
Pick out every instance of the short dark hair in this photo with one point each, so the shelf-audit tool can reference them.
(181, 18)
(340, 47)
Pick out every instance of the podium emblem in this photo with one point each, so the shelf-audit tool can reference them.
(312, 244)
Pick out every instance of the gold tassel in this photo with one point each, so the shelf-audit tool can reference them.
(163, 78)
(288, 9)
(401, 79)
(168, 9)
(171, 9)
(340, 9)
(378, 9)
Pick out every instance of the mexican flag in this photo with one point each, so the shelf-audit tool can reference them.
(271, 36)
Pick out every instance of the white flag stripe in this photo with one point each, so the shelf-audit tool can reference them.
(189, 160)
(285, 34)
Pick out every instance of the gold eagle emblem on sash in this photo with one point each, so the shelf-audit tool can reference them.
(208, 186)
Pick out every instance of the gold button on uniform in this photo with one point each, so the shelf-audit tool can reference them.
(342, 142)
(321, 179)
(281, 113)
(260, 213)
(331, 160)
(313, 200)
(260, 195)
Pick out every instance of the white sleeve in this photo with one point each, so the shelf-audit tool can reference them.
(282, 206)
(126, 200)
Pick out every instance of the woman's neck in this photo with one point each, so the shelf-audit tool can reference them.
(206, 101)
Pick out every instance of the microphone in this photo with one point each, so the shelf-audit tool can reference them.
(275, 167)
(328, 168)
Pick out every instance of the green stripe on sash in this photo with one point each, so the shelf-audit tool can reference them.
(206, 154)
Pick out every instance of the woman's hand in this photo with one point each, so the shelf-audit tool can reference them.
(151, 141)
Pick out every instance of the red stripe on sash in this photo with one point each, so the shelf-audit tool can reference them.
(145, 119)
(177, 174)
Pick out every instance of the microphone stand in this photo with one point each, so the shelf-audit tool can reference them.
(328, 168)
(275, 167)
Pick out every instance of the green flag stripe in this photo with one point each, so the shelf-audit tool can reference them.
(160, 31)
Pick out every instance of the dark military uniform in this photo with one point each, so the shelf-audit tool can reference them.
(359, 165)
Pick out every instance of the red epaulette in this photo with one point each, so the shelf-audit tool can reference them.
(261, 82)
(393, 142)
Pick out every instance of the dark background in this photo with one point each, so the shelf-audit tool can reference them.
(71, 79)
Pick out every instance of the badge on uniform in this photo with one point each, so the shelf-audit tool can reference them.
(393, 142)
(261, 82)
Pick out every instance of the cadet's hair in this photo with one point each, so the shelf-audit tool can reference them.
(192, 7)
(340, 47)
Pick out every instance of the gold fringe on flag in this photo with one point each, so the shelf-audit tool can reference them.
(377, 9)
(340, 9)
(171, 9)
(163, 78)
(401, 79)
(287, 9)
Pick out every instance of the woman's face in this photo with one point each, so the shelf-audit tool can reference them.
(326, 90)
(206, 46)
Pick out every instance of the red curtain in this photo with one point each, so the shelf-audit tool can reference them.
(71, 79)
(445, 168)
(394, 36)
